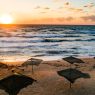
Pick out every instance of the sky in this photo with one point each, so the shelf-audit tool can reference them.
(49, 11)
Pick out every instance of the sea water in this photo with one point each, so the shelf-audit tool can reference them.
(46, 41)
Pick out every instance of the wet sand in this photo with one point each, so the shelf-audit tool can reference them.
(50, 83)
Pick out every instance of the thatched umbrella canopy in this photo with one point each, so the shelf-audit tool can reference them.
(32, 61)
(14, 83)
(72, 74)
(73, 60)
(2, 65)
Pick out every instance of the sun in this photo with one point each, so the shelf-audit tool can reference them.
(6, 19)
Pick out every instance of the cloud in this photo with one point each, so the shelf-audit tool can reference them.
(61, 7)
(59, 19)
(43, 12)
(76, 9)
(46, 8)
(67, 3)
(90, 5)
(65, 19)
(56, 0)
(89, 18)
(69, 18)
(38, 7)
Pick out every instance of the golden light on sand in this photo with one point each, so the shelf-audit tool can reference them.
(6, 19)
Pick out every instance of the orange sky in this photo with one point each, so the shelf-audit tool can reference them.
(49, 11)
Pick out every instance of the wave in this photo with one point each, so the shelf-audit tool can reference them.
(66, 40)
(48, 40)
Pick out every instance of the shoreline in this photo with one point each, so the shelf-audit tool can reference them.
(49, 60)
(45, 58)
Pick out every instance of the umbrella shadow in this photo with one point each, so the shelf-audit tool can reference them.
(14, 83)
(72, 75)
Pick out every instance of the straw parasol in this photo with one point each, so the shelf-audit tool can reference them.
(32, 61)
(2, 65)
(73, 60)
(72, 74)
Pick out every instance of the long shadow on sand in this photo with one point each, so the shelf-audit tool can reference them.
(14, 83)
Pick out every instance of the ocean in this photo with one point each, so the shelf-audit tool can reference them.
(46, 41)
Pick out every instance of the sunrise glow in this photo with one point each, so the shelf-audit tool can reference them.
(6, 19)
(47, 12)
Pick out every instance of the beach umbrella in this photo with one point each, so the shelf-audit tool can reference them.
(72, 74)
(14, 83)
(9, 67)
(32, 61)
(73, 60)
(2, 65)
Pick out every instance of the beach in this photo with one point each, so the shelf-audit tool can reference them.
(50, 83)
(50, 43)
(47, 47)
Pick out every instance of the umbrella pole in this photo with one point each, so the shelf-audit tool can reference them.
(70, 85)
(70, 77)
(32, 69)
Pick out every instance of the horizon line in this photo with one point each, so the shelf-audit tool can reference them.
(46, 24)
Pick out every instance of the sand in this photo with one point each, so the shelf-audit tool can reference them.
(50, 83)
